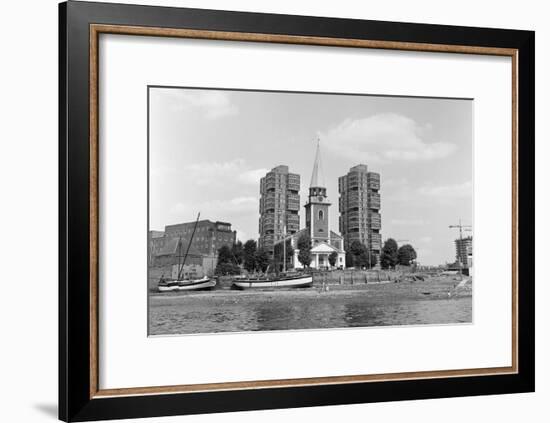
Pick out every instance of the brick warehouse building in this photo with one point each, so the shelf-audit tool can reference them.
(166, 254)
(279, 206)
(209, 236)
(165, 251)
(359, 206)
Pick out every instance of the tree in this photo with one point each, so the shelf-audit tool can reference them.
(225, 255)
(278, 252)
(332, 258)
(356, 248)
(406, 254)
(249, 255)
(368, 259)
(227, 269)
(226, 262)
(238, 252)
(262, 259)
(358, 255)
(304, 242)
(304, 245)
(388, 258)
(373, 260)
(349, 260)
(363, 259)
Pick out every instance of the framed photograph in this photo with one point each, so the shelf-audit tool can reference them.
(269, 211)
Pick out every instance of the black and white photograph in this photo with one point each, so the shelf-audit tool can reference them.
(273, 210)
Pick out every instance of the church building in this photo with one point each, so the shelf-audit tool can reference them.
(323, 241)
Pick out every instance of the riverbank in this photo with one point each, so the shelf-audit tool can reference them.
(434, 301)
(429, 288)
(332, 277)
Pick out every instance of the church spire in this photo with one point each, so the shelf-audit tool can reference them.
(317, 177)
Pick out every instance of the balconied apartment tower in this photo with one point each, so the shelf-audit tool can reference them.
(279, 206)
(359, 206)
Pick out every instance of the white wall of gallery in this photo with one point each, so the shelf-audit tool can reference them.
(28, 215)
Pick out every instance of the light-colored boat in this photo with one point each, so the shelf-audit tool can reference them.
(194, 284)
(274, 281)
(167, 286)
(294, 281)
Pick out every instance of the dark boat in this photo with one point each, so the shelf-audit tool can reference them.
(181, 284)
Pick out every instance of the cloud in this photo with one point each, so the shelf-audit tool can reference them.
(407, 222)
(422, 253)
(204, 173)
(396, 182)
(236, 205)
(214, 173)
(242, 236)
(162, 171)
(252, 176)
(383, 138)
(236, 170)
(463, 190)
(208, 104)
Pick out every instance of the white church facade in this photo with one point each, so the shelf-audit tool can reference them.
(320, 251)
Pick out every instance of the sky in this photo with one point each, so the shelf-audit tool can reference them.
(208, 150)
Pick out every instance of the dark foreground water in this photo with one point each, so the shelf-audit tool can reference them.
(188, 314)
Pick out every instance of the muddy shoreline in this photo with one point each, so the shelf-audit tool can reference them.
(432, 288)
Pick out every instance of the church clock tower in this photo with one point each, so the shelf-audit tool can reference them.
(317, 218)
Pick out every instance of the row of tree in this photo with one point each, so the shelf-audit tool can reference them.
(254, 259)
(391, 255)
(358, 255)
(248, 255)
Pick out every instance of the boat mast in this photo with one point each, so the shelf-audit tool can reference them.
(284, 247)
(179, 256)
(180, 270)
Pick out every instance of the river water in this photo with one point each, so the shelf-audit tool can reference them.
(186, 315)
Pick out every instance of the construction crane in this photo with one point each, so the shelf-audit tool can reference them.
(461, 228)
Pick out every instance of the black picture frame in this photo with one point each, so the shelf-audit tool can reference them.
(75, 326)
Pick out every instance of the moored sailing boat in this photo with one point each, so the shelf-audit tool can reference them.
(283, 280)
(181, 284)
(166, 285)
(194, 284)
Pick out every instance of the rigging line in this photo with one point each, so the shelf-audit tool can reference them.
(180, 272)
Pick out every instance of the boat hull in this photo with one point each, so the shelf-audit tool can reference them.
(198, 284)
(297, 282)
(168, 288)
(188, 285)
